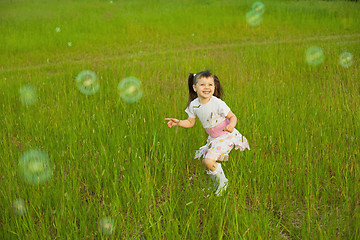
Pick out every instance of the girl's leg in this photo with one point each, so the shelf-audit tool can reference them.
(210, 164)
(216, 173)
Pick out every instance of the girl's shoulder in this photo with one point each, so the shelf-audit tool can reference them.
(214, 98)
(217, 100)
(194, 102)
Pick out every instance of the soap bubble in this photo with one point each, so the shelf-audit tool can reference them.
(87, 82)
(346, 59)
(130, 89)
(259, 7)
(19, 207)
(314, 56)
(28, 94)
(57, 29)
(34, 166)
(106, 226)
(69, 44)
(253, 18)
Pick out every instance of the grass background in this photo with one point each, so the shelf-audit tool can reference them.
(112, 159)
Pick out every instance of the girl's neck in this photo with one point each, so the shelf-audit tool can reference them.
(204, 100)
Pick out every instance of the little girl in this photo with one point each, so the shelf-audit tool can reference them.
(219, 122)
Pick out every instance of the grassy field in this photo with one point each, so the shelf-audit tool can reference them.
(117, 160)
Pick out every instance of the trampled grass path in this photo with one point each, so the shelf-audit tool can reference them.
(348, 38)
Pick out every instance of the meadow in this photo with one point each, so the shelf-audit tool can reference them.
(118, 162)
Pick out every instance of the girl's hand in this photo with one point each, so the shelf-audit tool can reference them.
(172, 122)
(229, 128)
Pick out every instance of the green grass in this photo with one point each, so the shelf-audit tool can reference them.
(112, 159)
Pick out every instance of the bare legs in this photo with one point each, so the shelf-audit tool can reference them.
(216, 173)
(210, 164)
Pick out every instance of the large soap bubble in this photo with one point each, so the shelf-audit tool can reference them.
(34, 166)
(28, 94)
(130, 89)
(259, 7)
(346, 59)
(314, 56)
(19, 207)
(87, 82)
(106, 226)
(254, 18)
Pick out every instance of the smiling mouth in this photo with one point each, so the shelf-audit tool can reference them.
(206, 92)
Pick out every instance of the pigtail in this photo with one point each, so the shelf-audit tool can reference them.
(218, 90)
(192, 93)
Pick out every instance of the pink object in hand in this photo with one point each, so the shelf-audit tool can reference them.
(218, 130)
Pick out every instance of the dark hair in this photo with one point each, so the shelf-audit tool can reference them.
(192, 81)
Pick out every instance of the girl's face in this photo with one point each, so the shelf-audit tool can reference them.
(205, 87)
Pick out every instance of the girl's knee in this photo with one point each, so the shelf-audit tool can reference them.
(209, 163)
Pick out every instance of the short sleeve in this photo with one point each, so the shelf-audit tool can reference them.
(223, 109)
(190, 111)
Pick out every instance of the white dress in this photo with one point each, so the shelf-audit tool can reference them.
(212, 115)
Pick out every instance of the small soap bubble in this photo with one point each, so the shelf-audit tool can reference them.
(130, 89)
(19, 207)
(346, 59)
(259, 7)
(106, 226)
(69, 44)
(193, 34)
(314, 56)
(87, 82)
(28, 94)
(253, 18)
(57, 29)
(35, 167)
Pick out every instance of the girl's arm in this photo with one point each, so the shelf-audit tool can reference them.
(232, 122)
(188, 123)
